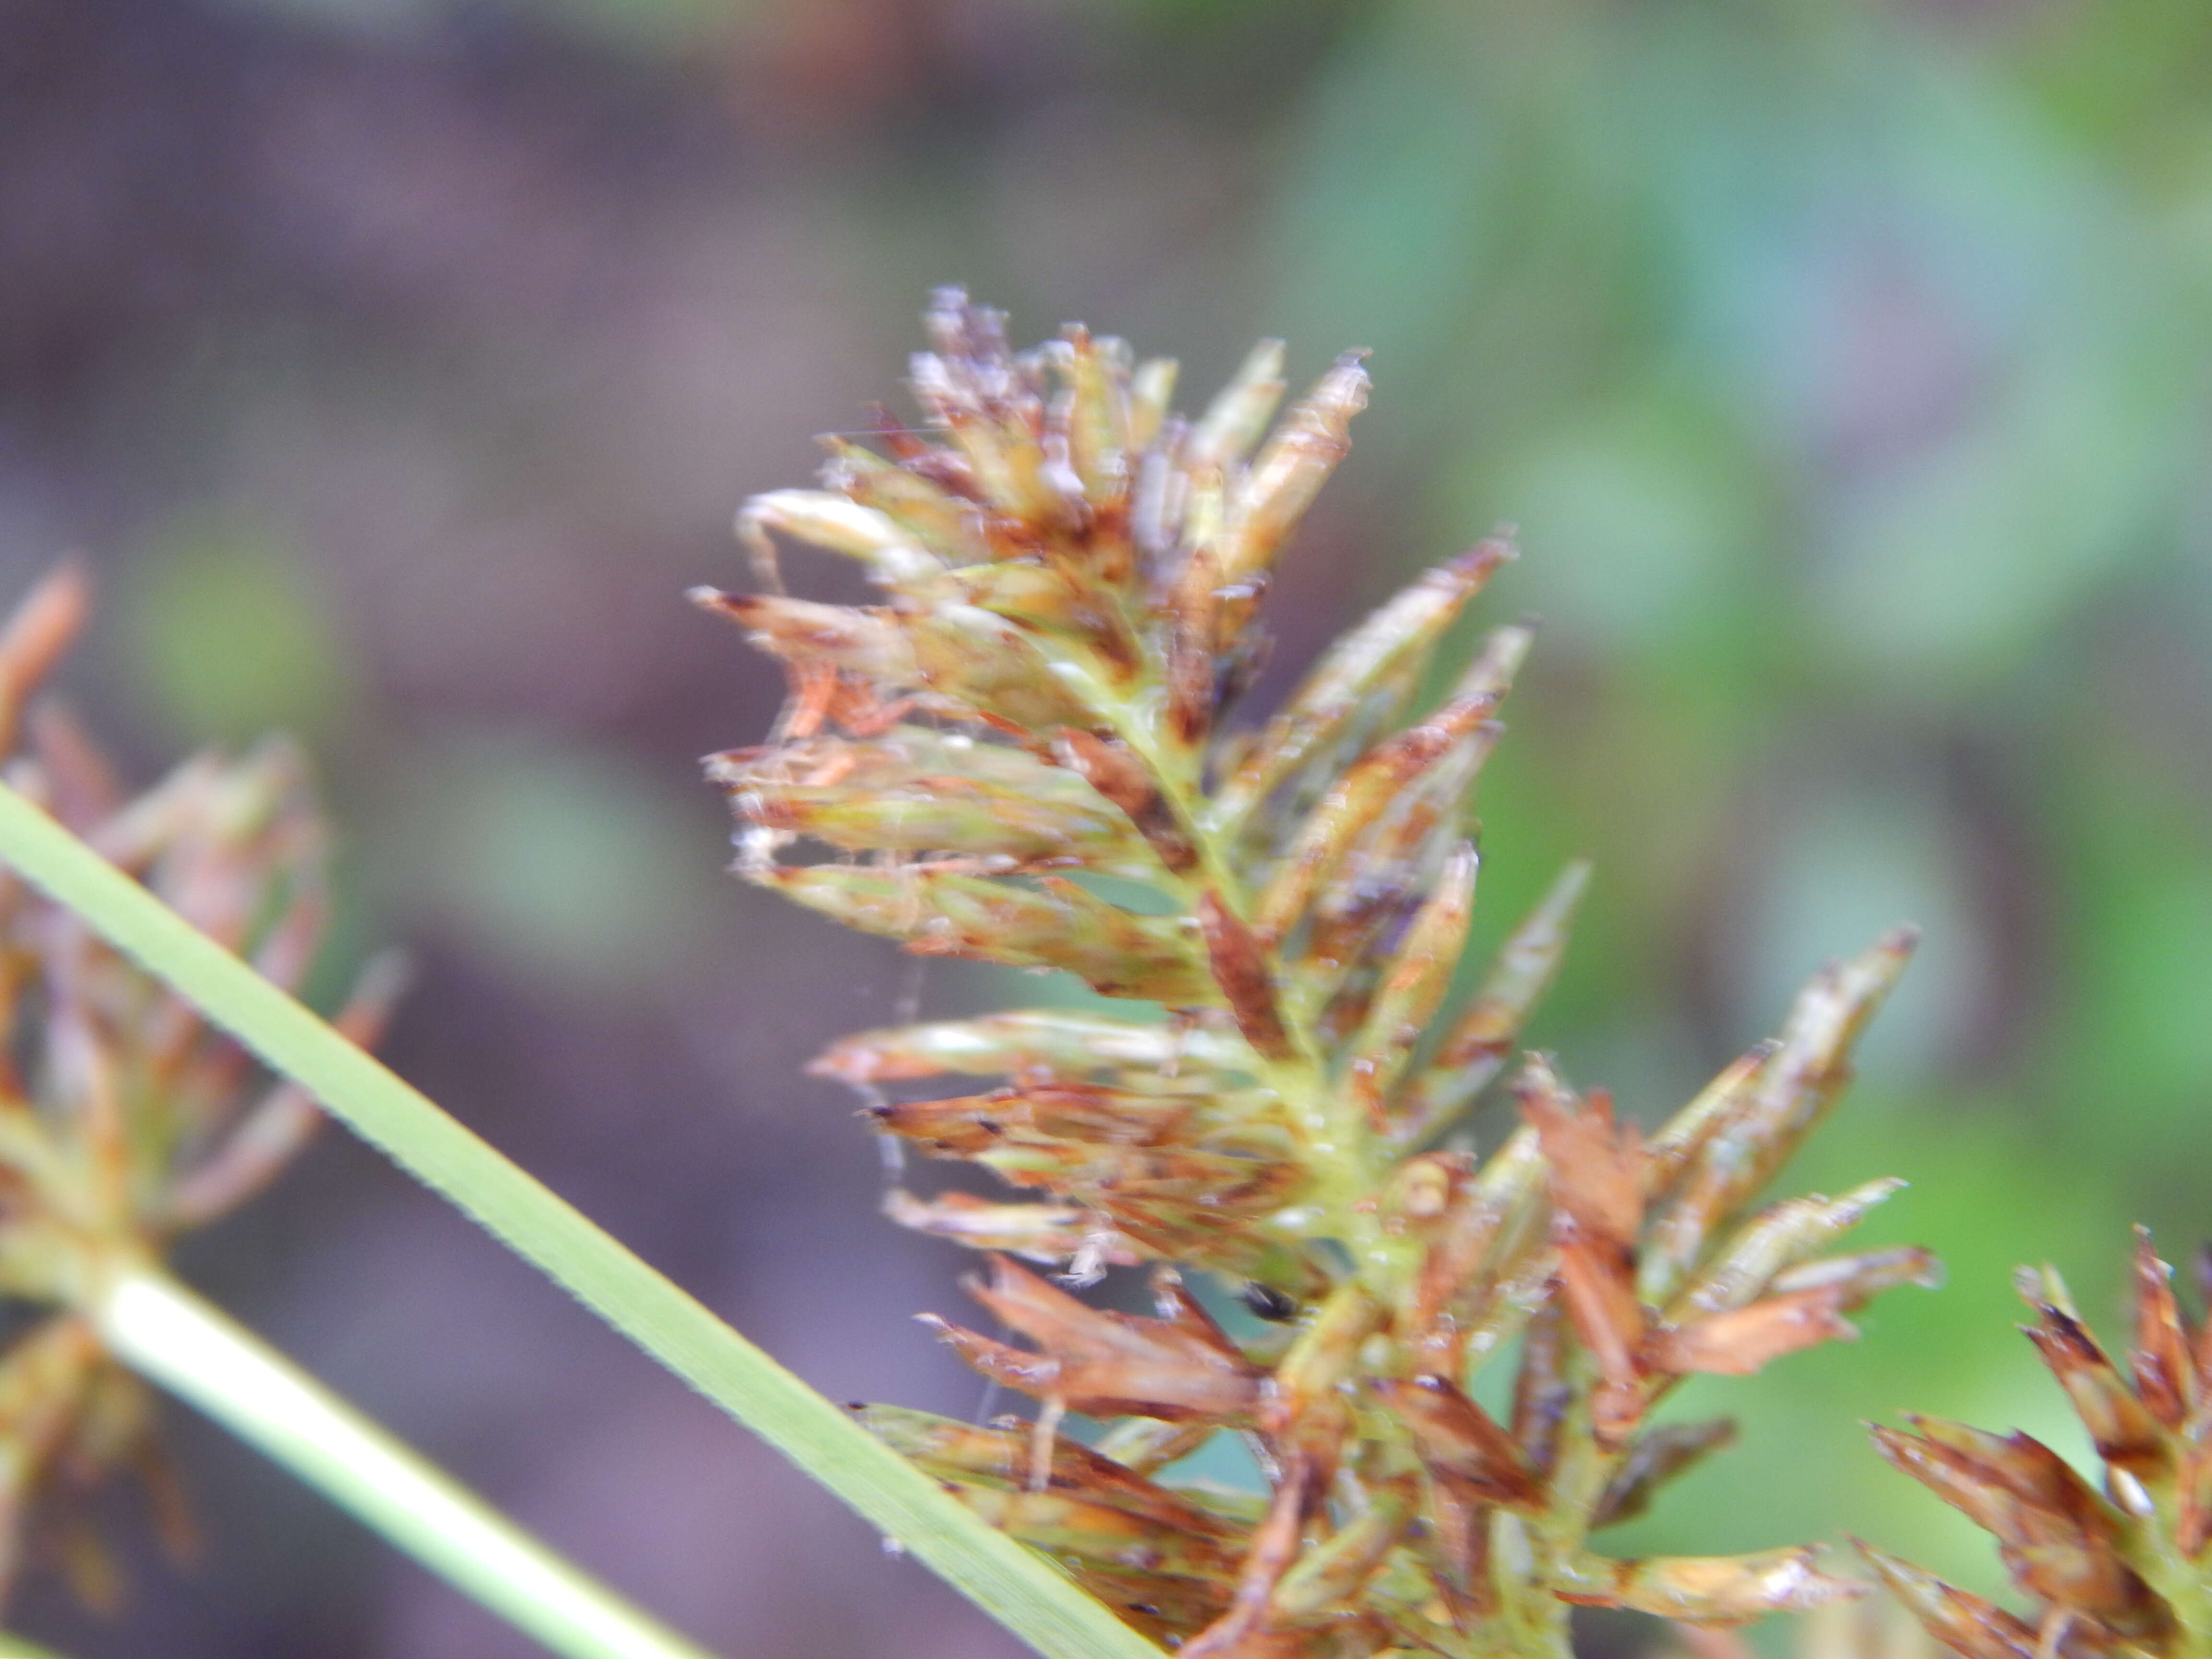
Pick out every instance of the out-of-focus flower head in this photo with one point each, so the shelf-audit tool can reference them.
(124, 1118)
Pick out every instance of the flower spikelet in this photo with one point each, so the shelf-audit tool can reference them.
(1023, 751)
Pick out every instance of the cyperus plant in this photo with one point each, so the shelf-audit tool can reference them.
(1023, 755)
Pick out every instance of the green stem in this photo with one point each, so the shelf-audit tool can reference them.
(2148, 1542)
(1536, 1622)
(18, 1647)
(1002, 1577)
(193, 1349)
(1556, 1538)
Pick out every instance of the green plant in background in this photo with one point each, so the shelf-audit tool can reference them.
(1021, 757)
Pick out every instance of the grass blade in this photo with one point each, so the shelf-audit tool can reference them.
(1016, 1587)
(160, 1328)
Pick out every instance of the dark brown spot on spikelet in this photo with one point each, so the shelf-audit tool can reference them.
(1025, 753)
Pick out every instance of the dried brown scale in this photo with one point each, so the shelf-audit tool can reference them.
(2165, 1372)
(1491, 1233)
(917, 791)
(1146, 1181)
(1158, 1606)
(1070, 581)
(1108, 1364)
(1327, 1578)
(1050, 599)
(1974, 1626)
(1001, 1455)
(930, 514)
(1099, 1533)
(1458, 1440)
(1775, 1242)
(1746, 1339)
(1543, 1396)
(964, 1125)
(1807, 1072)
(1715, 1589)
(2120, 1426)
(1009, 1044)
(867, 643)
(1863, 1277)
(1354, 803)
(1116, 772)
(1268, 1556)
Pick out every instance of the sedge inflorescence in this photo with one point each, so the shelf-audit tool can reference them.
(1021, 754)
(2120, 1571)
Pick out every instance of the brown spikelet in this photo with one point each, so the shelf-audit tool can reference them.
(1965, 1623)
(39, 633)
(1743, 1340)
(2164, 1372)
(2122, 1428)
(1108, 1364)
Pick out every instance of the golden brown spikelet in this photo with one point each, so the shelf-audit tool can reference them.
(1023, 752)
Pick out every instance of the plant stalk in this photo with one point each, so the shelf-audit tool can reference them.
(1015, 1586)
(193, 1349)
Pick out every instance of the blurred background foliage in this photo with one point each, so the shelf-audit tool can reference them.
(1845, 369)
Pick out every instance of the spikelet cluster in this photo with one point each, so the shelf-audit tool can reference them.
(2120, 1572)
(124, 1121)
(1019, 754)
